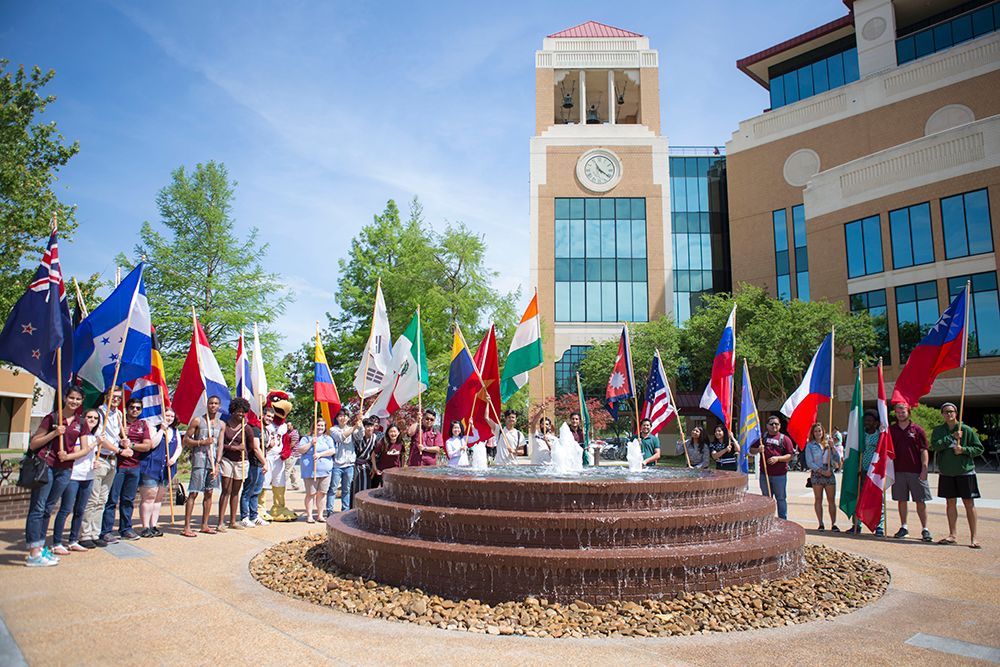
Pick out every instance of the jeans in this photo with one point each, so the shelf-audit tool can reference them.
(123, 496)
(342, 477)
(60, 479)
(33, 533)
(74, 499)
(777, 485)
(252, 486)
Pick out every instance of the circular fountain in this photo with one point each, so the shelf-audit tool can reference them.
(602, 533)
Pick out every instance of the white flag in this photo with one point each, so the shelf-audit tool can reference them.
(378, 352)
(257, 377)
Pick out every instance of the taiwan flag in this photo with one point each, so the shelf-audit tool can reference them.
(816, 388)
(621, 384)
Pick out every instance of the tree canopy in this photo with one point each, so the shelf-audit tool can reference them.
(201, 260)
(31, 154)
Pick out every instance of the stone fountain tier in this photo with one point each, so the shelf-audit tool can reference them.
(505, 534)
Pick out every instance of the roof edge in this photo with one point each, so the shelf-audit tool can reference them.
(744, 64)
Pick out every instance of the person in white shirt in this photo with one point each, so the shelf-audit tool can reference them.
(541, 439)
(510, 442)
(457, 446)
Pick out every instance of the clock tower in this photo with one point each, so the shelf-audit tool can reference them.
(600, 252)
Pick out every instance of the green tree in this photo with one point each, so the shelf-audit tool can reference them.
(201, 261)
(30, 156)
(444, 274)
(777, 338)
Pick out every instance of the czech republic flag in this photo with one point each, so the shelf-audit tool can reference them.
(816, 388)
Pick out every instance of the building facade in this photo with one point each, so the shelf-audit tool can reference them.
(874, 179)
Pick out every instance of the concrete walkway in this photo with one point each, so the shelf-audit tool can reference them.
(177, 601)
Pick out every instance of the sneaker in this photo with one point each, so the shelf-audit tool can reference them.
(235, 526)
(146, 532)
(902, 532)
(221, 528)
(101, 543)
(39, 561)
(86, 544)
(110, 539)
(129, 535)
(48, 554)
(852, 530)
(925, 535)
(247, 523)
(879, 532)
(156, 532)
(76, 546)
(261, 522)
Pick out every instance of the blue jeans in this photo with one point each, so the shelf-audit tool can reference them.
(252, 486)
(122, 496)
(74, 499)
(33, 533)
(60, 479)
(777, 485)
(341, 477)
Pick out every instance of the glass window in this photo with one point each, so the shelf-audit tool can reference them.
(576, 209)
(625, 302)
(916, 312)
(562, 270)
(782, 270)
(623, 208)
(910, 230)
(966, 222)
(791, 87)
(562, 302)
(593, 238)
(562, 238)
(802, 285)
(784, 287)
(851, 71)
(638, 238)
(609, 312)
(821, 80)
(814, 78)
(864, 247)
(562, 209)
(777, 87)
(780, 230)
(984, 315)
(947, 33)
(835, 64)
(577, 243)
(607, 209)
(566, 368)
(874, 303)
(624, 234)
(593, 208)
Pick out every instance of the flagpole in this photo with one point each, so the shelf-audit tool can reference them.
(965, 352)
(197, 354)
(586, 432)
(541, 377)
(833, 359)
(368, 352)
(243, 454)
(420, 386)
(677, 410)
(746, 374)
(59, 393)
(861, 448)
(79, 298)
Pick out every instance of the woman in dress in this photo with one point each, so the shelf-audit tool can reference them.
(388, 453)
(724, 449)
(316, 452)
(77, 492)
(821, 459)
(456, 446)
(698, 452)
(541, 439)
(153, 476)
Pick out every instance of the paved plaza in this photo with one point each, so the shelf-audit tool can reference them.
(177, 601)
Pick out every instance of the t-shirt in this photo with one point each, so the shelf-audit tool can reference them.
(389, 455)
(649, 446)
(728, 460)
(908, 443)
(778, 445)
(504, 438)
(430, 438)
(83, 467)
(111, 428)
(313, 467)
(136, 432)
(71, 438)
(458, 453)
(251, 454)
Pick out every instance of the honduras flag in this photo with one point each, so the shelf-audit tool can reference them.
(200, 379)
(718, 396)
(117, 333)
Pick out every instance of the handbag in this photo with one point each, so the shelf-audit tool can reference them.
(34, 472)
(809, 482)
(180, 497)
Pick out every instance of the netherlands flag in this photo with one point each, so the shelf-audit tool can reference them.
(718, 396)
(200, 378)
(816, 388)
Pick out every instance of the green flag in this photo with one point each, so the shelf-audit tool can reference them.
(585, 418)
(849, 486)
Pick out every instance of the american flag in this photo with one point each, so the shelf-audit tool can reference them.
(657, 407)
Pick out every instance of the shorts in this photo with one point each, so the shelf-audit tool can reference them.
(202, 479)
(959, 486)
(232, 469)
(909, 486)
(147, 482)
(317, 484)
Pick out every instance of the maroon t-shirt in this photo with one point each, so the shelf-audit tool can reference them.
(71, 439)
(778, 445)
(384, 458)
(908, 444)
(430, 438)
(136, 432)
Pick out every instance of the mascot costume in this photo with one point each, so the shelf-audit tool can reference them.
(280, 440)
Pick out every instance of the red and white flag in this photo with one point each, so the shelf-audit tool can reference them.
(657, 408)
(881, 472)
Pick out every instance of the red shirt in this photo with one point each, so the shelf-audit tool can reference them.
(908, 444)
(778, 445)
(430, 438)
(71, 439)
(136, 432)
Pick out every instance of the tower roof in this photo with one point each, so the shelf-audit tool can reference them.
(593, 29)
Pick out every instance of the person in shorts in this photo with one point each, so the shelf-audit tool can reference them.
(957, 446)
(910, 443)
(201, 435)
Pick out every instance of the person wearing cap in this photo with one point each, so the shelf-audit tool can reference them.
(910, 444)
(956, 463)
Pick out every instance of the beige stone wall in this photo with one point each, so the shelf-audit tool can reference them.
(544, 99)
(22, 387)
(649, 98)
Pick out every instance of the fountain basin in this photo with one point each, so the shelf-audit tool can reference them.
(509, 533)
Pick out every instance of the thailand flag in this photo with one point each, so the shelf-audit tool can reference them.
(816, 388)
(942, 349)
(244, 380)
(718, 396)
(621, 384)
(200, 378)
(657, 408)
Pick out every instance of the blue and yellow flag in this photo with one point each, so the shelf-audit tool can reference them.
(749, 423)
(325, 390)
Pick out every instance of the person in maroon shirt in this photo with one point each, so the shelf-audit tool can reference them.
(912, 456)
(778, 450)
(425, 447)
(126, 483)
(388, 453)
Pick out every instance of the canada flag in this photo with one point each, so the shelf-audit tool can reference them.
(881, 471)
(621, 384)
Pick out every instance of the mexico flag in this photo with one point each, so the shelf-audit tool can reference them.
(525, 352)
(408, 375)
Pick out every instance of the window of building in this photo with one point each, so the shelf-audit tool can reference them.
(864, 247)
(566, 369)
(966, 222)
(781, 264)
(801, 252)
(828, 67)
(600, 266)
(699, 230)
(910, 229)
(984, 317)
(874, 303)
(942, 31)
(916, 313)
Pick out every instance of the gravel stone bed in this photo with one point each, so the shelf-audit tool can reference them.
(834, 583)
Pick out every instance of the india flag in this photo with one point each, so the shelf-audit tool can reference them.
(525, 352)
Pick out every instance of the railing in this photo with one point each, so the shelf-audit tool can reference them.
(946, 34)
(700, 151)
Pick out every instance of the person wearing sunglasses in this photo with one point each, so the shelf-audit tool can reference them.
(126, 483)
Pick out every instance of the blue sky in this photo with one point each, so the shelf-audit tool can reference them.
(323, 111)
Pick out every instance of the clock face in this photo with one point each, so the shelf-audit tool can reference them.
(599, 169)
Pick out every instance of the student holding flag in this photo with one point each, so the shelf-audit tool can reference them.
(778, 450)
(958, 446)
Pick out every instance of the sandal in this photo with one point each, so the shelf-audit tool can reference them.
(975, 545)
(188, 533)
(310, 521)
(60, 550)
(948, 540)
(208, 531)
